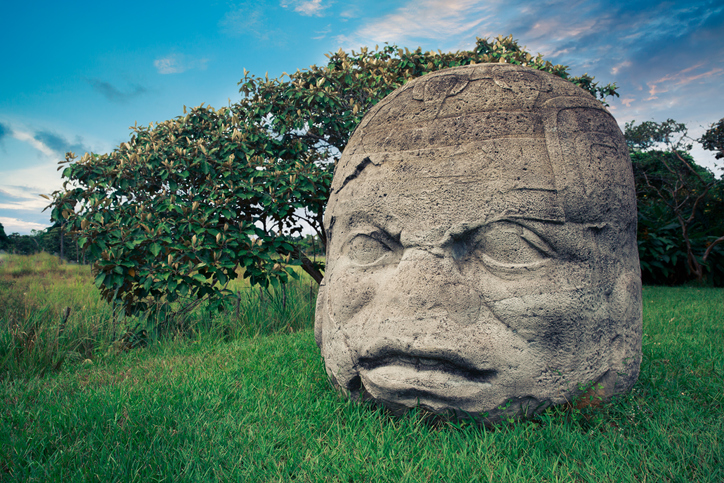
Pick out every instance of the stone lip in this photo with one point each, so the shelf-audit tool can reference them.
(436, 378)
(456, 366)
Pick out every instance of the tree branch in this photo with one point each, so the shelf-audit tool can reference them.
(711, 247)
(308, 265)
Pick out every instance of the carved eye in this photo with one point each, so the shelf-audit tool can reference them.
(366, 250)
(510, 246)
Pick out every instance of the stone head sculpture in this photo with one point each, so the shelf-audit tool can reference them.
(482, 255)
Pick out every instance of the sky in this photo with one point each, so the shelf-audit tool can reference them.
(77, 74)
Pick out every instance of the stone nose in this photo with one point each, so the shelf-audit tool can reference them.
(427, 285)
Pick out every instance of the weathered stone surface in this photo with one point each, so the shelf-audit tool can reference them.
(482, 253)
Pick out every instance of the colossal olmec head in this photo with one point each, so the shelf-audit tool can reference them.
(482, 252)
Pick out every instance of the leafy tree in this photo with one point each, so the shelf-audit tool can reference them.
(172, 214)
(674, 194)
(25, 244)
(4, 240)
(311, 245)
(713, 139)
(179, 208)
(50, 242)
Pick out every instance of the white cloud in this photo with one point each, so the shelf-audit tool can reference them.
(23, 198)
(305, 7)
(250, 19)
(351, 12)
(168, 65)
(177, 63)
(13, 225)
(616, 68)
(557, 29)
(429, 19)
(22, 202)
(25, 185)
(681, 78)
(243, 21)
(28, 138)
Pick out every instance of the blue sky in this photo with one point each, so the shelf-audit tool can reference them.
(77, 74)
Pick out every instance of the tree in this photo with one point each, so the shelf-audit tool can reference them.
(54, 240)
(673, 192)
(713, 139)
(171, 214)
(25, 244)
(4, 240)
(186, 202)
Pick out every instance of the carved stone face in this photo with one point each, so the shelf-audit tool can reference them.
(482, 248)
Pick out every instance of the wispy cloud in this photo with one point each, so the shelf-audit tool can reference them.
(323, 33)
(113, 93)
(351, 12)
(306, 7)
(14, 225)
(637, 45)
(167, 65)
(613, 36)
(250, 19)
(59, 144)
(49, 143)
(429, 19)
(618, 67)
(21, 208)
(244, 20)
(557, 29)
(680, 78)
(21, 198)
(177, 63)
(30, 139)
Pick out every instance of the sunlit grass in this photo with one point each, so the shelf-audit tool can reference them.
(36, 293)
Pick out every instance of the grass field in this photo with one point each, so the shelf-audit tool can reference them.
(244, 397)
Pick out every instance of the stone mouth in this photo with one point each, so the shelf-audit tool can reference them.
(454, 365)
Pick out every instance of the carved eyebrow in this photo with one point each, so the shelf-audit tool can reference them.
(369, 225)
(357, 170)
(464, 229)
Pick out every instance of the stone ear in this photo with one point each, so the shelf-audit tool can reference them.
(320, 312)
(418, 92)
(460, 84)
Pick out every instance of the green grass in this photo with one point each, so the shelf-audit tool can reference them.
(198, 408)
(36, 338)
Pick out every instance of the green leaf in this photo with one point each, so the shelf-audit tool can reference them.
(222, 277)
(155, 249)
(99, 279)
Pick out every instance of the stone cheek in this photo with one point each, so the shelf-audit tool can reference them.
(482, 249)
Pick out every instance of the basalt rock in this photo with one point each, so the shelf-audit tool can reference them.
(482, 255)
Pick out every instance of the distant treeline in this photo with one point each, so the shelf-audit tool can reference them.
(49, 241)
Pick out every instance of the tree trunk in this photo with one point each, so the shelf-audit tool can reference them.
(62, 225)
(308, 266)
